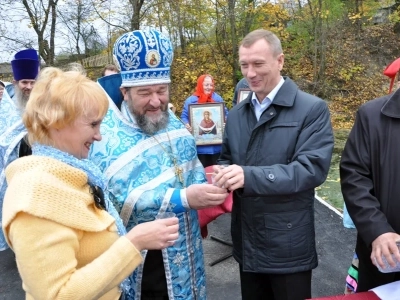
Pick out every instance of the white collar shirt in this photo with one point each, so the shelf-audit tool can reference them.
(259, 108)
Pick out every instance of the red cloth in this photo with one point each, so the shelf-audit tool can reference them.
(358, 296)
(391, 71)
(209, 214)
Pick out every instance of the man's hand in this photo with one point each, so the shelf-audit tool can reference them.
(205, 195)
(385, 245)
(230, 177)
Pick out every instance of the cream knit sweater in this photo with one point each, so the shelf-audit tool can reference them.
(65, 247)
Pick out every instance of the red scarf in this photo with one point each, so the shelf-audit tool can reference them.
(203, 98)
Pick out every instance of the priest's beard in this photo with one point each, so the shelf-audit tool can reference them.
(145, 123)
(21, 97)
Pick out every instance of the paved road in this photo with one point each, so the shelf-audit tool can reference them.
(334, 245)
(10, 283)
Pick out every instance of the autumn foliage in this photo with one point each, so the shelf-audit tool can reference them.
(187, 68)
(353, 60)
(332, 49)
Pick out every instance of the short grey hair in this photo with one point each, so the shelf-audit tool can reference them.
(258, 34)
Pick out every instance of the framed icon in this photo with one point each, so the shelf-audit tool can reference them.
(242, 94)
(207, 122)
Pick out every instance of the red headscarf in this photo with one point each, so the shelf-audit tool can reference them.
(203, 98)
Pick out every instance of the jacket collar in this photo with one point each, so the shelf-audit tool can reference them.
(392, 106)
(284, 97)
(286, 94)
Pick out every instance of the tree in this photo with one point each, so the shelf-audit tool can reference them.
(226, 28)
(38, 16)
(41, 13)
(125, 15)
(78, 19)
(249, 17)
(234, 40)
(136, 7)
(311, 26)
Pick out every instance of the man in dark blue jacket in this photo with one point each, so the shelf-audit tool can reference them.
(278, 144)
(241, 86)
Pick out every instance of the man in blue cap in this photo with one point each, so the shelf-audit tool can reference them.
(25, 66)
(150, 161)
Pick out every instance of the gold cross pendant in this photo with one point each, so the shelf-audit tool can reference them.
(179, 174)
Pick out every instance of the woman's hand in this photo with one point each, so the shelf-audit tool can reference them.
(154, 235)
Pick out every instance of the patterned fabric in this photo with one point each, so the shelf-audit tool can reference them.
(143, 57)
(9, 114)
(352, 276)
(142, 183)
(11, 132)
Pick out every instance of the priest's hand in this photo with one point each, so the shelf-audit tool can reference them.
(205, 195)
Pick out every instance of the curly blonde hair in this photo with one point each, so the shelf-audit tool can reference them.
(58, 99)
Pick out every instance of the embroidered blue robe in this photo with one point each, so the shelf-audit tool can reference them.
(12, 131)
(142, 182)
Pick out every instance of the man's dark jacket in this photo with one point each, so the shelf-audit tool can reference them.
(370, 171)
(284, 155)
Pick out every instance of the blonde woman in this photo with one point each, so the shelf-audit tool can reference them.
(68, 239)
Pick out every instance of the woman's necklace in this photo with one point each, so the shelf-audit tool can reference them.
(178, 169)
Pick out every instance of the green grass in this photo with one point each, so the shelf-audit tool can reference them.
(330, 189)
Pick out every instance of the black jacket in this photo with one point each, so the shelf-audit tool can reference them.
(370, 171)
(285, 155)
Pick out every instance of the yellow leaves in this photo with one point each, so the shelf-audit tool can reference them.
(91, 74)
(354, 16)
(198, 60)
(324, 14)
(272, 17)
(348, 73)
